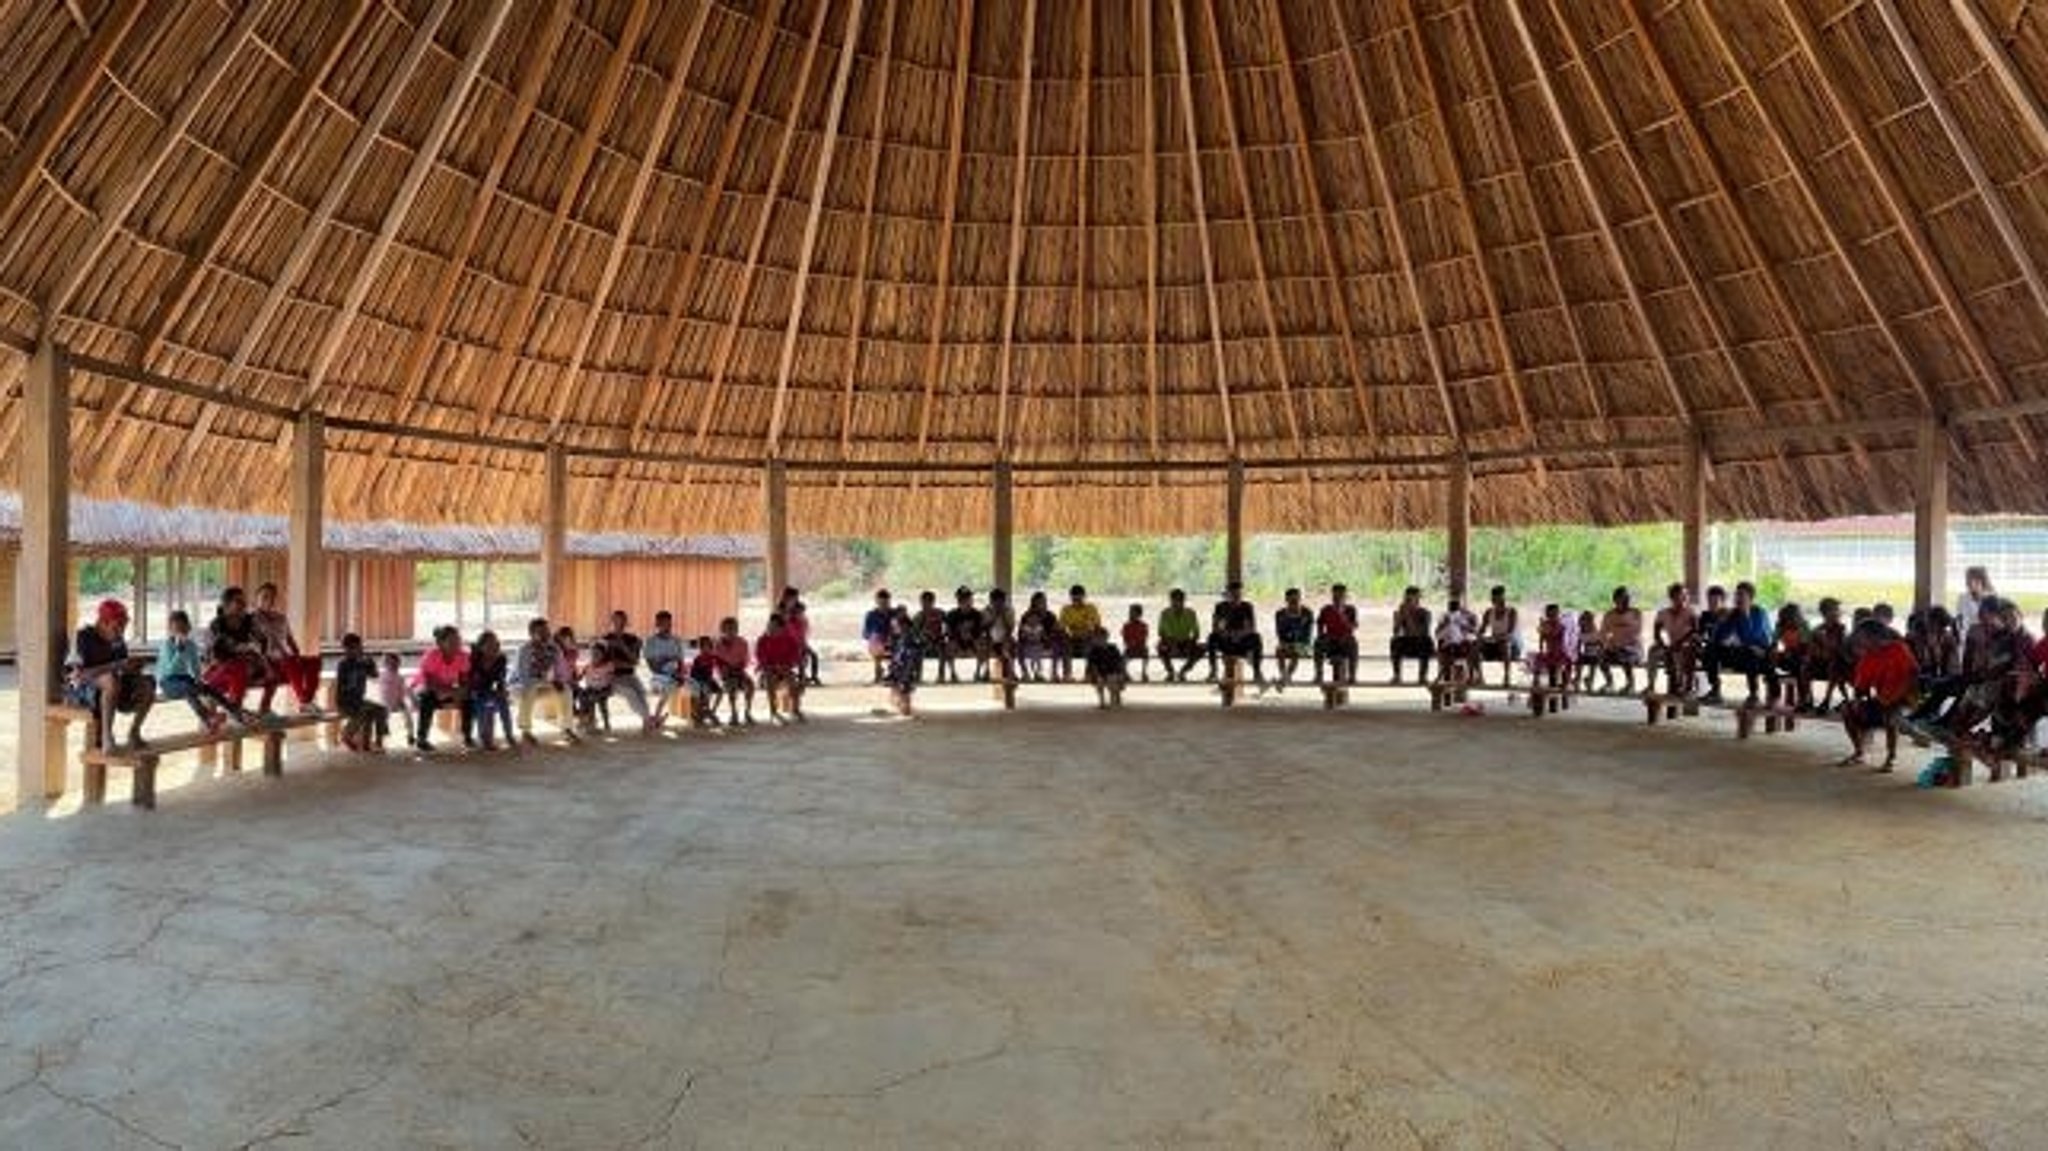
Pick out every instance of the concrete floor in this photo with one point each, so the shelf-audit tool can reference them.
(1169, 927)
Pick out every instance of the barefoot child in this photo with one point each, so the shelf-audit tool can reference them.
(1294, 628)
(781, 659)
(1180, 636)
(107, 680)
(1883, 681)
(733, 658)
(901, 670)
(489, 697)
(178, 674)
(1827, 655)
(1106, 670)
(392, 693)
(1137, 638)
(1457, 639)
(1586, 652)
(1674, 643)
(364, 722)
(1556, 645)
(1037, 634)
(705, 671)
(1337, 638)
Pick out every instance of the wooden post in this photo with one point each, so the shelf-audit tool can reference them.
(1692, 507)
(305, 535)
(139, 564)
(485, 593)
(1233, 524)
(41, 596)
(554, 536)
(1930, 516)
(1002, 531)
(1458, 526)
(775, 493)
(461, 571)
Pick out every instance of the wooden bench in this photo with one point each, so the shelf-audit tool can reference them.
(1659, 707)
(1336, 693)
(142, 761)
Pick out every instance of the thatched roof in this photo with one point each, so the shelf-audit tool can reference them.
(1561, 236)
(123, 527)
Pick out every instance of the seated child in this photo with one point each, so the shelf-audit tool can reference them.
(1587, 660)
(488, 695)
(392, 693)
(964, 639)
(103, 678)
(706, 679)
(999, 631)
(594, 689)
(364, 722)
(1106, 671)
(781, 658)
(931, 633)
(178, 672)
(1557, 642)
(1137, 638)
(1883, 681)
(1827, 655)
(441, 681)
(1336, 642)
(1180, 637)
(733, 659)
(1294, 627)
(1037, 637)
(1621, 642)
(1790, 654)
(1674, 643)
(1457, 644)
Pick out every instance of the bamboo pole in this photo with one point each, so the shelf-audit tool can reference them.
(775, 492)
(1458, 526)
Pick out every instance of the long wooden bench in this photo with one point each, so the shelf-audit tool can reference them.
(1543, 698)
(142, 761)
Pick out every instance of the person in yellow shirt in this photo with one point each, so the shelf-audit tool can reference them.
(1079, 621)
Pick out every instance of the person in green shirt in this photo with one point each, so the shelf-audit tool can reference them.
(1180, 636)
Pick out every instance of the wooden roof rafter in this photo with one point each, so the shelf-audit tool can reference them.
(1214, 37)
(682, 282)
(1433, 97)
(835, 111)
(1194, 154)
(1014, 264)
(949, 196)
(1383, 186)
(864, 243)
(636, 201)
(611, 86)
(61, 109)
(1149, 189)
(1082, 247)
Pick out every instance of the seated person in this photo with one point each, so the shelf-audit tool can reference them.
(665, 655)
(1827, 655)
(781, 658)
(1180, 637)
(1586, 661)
(1413, 637)
(706, 683)
(874, 631)
(365, 724)
(1790, 653)
(1038, 634)
(179, 667)
(930, 621)
(1557, 644)
(441, 682)
(1079, 621)
(1883, 681)
(1500, 636)
(1741, 641)
(1674, 643)
(964, 639)
(1106, 671)
(999, 634)
(1457, 644)
(593, 693)
(1621, 642)
(1234, 633)
(288, 665)
(102, 677)
(1336, 642)
(489, 698)
(1137, 641)
(536, 673)
(733, 659)
(1294, 628)
(234, 651)
(622, 650)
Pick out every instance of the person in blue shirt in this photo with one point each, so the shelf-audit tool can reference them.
(1741, 641)
(874, 631)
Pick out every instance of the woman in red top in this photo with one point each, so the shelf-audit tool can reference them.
(732, 655)
(780, 654)
(1883, 682)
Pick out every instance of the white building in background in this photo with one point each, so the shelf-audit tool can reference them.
(1880, 549)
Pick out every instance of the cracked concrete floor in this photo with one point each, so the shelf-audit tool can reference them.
(1161, 928)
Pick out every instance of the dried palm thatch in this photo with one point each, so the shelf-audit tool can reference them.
(1343, 240)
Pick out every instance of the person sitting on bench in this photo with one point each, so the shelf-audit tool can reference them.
(1621, 642)
(781, 659)
(1500, 637)
(1413, 637)
(1234, 633)
(179, 666)
(1294, 628)
(964, 639)
(1557, 642)
(1883, 680)
(288, 665)
(1180, 637)
(1741, 641)
(1337, 638)
(234, 651)
(1457, 644)
(440, 682)
(104, 679)
(1137, 642)
(1674, 643)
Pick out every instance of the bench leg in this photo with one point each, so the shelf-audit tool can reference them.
(1655, 712)
(1745, 722)
(95, 783)
(1009, 697)
(273, 753)
(143, 792)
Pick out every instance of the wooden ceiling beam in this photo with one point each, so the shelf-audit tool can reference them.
(2016, 246)
(1084, 96)
(863, 245)
(1019, 183)
(307, 241)
(1150, 192)
(244, 187)
(949, 195)
(1331, 281)
(2016, 86)
(1242, 179)
(1194, 153)
(130, 191)
(821, 177)
(682, 282)
(62, 107)
(636, 202)
(1496, 315)
(412, 372)
(611, 85)
(395, 214)
(721, 360)
(1383, 186)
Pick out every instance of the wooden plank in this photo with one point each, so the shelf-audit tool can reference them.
(1083, 248)
(42, 579)
(1375, 163)
(62, 107)
(1019, 169)
(636, 202)
(1495, 314)
(849, 45)
(1151, 195)
(682, 281)
(949, 195)
(413, 372)
(1194, 153)
(422, 166)
(864, 248)
(604, 105)
(130, 191)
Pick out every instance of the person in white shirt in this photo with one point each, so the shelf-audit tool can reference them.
(1457, 646)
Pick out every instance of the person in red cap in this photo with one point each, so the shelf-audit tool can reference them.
(105, 678)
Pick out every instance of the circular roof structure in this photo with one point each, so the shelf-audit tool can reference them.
(1115, 242)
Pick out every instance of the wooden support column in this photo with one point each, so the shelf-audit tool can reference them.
(139, 572)
(1930, 516)
(1002, 541)
(775, 489)
(1692, 506)
(554, 537)
(305, 534)
(1233, 524)
(1458, 526)
(42, 595)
